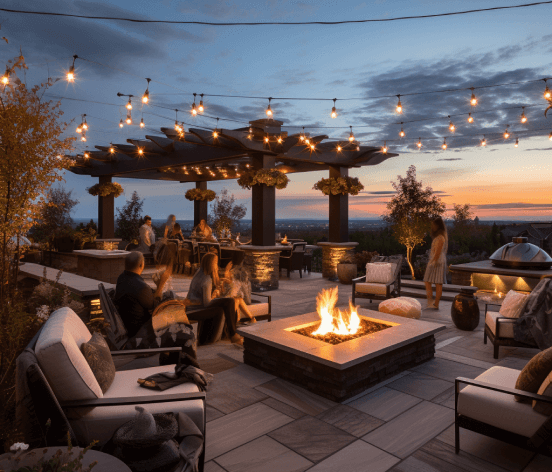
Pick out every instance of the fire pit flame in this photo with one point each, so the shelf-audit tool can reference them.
(333, 320)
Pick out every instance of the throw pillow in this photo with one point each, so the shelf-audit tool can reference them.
(534, 373)
(97, 354)
(380, 272)
(513, 304)
(545, 389)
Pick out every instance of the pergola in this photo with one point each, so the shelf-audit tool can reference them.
(199, 156)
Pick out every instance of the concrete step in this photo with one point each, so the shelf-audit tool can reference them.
(421, 293)
(419, 284)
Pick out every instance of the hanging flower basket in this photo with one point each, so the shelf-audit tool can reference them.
(200, 195)
(341, 185)
(104, 190)
(268, 177)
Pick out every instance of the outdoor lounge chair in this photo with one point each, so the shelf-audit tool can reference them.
(487, 406)
(62, 389)
(293, 260)
(500, 330)
(371, 290)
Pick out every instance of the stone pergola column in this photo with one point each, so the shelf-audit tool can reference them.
(339, 210)
(263, 225)
(200, 207)
(106, 212)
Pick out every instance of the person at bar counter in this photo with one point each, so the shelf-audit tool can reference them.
(169, 225)
(202, 230)
(176, 233)
(147, 236)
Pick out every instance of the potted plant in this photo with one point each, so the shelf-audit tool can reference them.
(347, 269)
(85, 238)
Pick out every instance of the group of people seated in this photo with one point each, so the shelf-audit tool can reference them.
(216, 303)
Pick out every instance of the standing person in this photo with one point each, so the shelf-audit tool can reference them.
(203, 290)
(436, 270)
(169, 225)
(147, 236)
(176, 233)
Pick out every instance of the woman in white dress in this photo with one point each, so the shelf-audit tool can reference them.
(436, 271)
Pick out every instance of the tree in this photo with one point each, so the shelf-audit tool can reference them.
(411, 210)
(129, 218)
(462, 215)
(225, 214)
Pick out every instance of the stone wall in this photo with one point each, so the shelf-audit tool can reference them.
(337, 385)
(104, 270)
(331, 257)
(263, 269)
(460, 277)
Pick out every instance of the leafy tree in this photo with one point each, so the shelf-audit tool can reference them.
(55, 215)
(129, 218)
(411, 210)
(462, 215)
(225, 214)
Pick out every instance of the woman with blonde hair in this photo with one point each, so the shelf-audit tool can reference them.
(204, 289)
(436, 271)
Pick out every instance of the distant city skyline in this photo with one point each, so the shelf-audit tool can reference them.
(378, 59)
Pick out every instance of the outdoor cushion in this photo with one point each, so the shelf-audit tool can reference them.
(402, 306)
(97, 354)
(371, 288)
(545, 389)
(499, 409)
(506, 327)
(101, 422)
(258, 309)
(534, 373)
(380, 272)
(513, 304)
(60, 358)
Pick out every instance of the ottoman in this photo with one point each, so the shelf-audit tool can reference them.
(402, 306)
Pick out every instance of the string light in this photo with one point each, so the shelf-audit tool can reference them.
(145, 97)
(401, 132)
(140, 151)
(250, 135)
(302, 135)
(111, 148)
(266, 139)
(483, 141)
(470, 118)
(215, 132)
(71, 73)
(128, 119)
(384, 148)
(419, 143)
(269, 110)
(121, 123)
(444, 145)
(279, 140)
(83, 138)
(176, 125)
(358, 147)
(516, 144)
(129, 104)
(86, 155)
(6, 77)
(351, 136)
(194, 109)
(547, 93)
(142, 124)
(473, 100)
(312, 146)
(307, 141)
(201, 108)
(550, 136)
(452, 128)
(338, 148)
(506, 133)
(399, 108)
(523, 118)
(334, 111)
(79, 129)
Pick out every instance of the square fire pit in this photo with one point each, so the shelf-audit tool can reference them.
(339, 371)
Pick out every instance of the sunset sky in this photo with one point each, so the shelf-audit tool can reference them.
(363, 60)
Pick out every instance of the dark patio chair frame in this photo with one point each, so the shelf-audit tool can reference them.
(268, 316)
(497, 340)
(42, 392)
(392, 289)
(204, 248)
(295, 260)
(535, 444)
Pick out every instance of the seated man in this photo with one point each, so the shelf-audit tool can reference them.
(134, 298)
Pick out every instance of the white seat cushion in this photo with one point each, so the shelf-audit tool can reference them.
(499, 409)
(380, 272)
(258, 309)
(101, 422)
(371, 288)
(506, 326)
(402, 306)
(60, 358)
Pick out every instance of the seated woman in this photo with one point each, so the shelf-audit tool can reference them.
(202, 230)
(203, 291)
(235, 284)
(169, 225)
(176, 233)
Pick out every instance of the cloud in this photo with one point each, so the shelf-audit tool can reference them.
(451, 159)
(514, 206)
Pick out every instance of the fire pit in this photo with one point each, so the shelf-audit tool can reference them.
(372, 347)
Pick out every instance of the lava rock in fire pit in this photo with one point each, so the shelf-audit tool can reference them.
(366, 327)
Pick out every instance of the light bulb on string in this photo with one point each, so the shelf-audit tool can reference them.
(523, 118)
(358, 147)
(444, 145)
(129, 118)
(140, 151)
(215, 132)
(402, 134)
(384, 149)
(6, 77)
(176, 125)
(452, 128)
(79, 129)
(550, 136)
(547, 93)
(399, 108)
(266, 139)
(71, 72)
(338, 148)
(193, 111)
(129, 104)
(473, 100)
(516, 144)
(201, 108)
(145, 97)
(470, 118)
(142, 124)
(334, 111)
(351, 136)
(419, 143)
(506, 133)
(483, 142)
(269, 110)
(312, 146)
(121, 123)
(86, 155)
(83, 138)
(85, 124)
(111, 148)
(302, 135)
(279, 140)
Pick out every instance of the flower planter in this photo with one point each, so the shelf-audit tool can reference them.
(346, 273)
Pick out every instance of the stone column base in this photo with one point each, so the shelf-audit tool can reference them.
(332, 253)
(263, 265)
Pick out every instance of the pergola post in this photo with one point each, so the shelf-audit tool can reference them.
(106, 212)
(263, 207)
(200, 207)
(339, 210)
